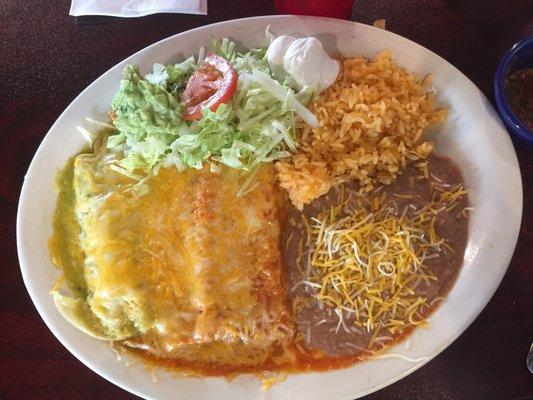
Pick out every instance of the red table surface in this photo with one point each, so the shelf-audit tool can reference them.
(47, 57)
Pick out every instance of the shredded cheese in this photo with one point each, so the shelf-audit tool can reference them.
(366, 259)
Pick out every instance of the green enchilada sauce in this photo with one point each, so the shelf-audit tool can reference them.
(64, 245)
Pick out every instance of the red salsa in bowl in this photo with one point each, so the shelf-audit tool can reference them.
(513, 91)
(519, 93)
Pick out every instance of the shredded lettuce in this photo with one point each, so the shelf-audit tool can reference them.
(256, 126)
(224, 48)
(284, 95)
(172, 77)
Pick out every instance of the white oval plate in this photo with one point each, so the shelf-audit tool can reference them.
(473, 137)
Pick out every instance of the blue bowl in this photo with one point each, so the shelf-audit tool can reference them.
(518, 57)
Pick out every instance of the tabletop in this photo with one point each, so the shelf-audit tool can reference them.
(48, 57)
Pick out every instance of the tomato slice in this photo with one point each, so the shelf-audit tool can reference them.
(211, 85)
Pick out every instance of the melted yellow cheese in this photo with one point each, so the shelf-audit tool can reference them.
(180, 260)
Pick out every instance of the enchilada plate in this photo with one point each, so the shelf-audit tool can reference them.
(473, 137)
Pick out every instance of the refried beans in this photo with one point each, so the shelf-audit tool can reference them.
(318, 323)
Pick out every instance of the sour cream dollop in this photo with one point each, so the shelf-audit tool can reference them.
(304, 59)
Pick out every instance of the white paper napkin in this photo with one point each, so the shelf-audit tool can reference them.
(136, 8)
